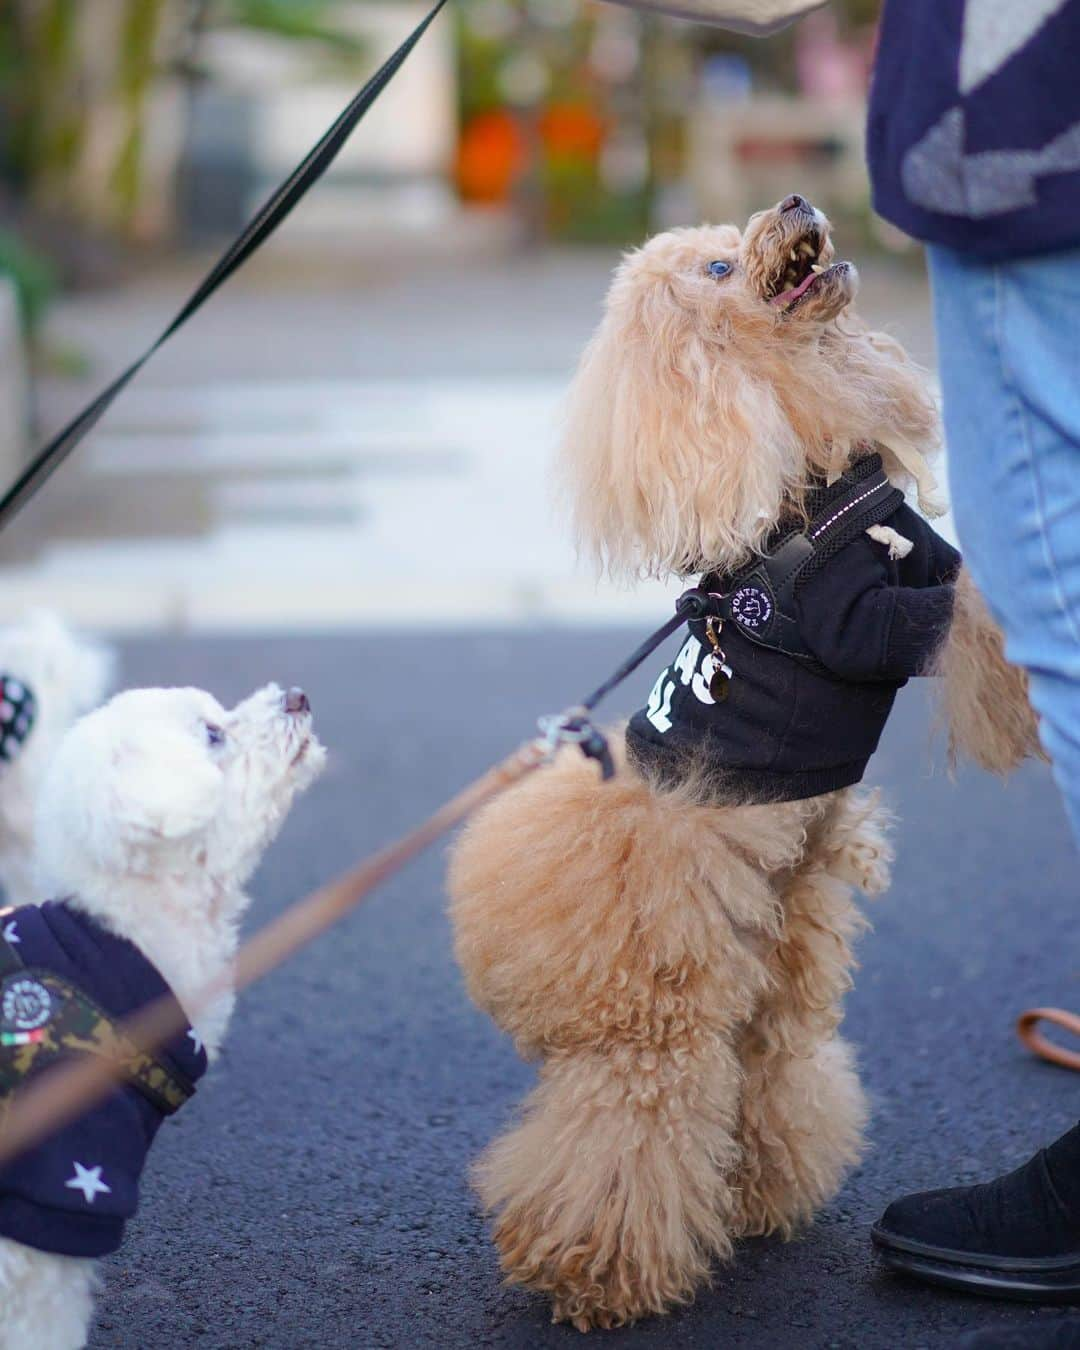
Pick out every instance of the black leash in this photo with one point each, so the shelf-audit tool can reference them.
(258, 230)
(694, 604)
(575, 726)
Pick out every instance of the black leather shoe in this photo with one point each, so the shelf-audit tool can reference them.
(1014, 1238)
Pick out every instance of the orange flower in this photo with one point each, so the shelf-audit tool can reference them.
(490, 157)
(572, 129)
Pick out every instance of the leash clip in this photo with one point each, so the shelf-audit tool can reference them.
(698, 604)
(573, 727)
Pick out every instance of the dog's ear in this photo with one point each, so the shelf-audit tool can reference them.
(167, 794)
(675, 454)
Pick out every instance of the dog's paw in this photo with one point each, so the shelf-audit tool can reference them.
(860, 852)
(865, 863)
(593, 1280)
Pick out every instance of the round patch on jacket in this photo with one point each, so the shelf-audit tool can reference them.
(751, 607)
(26, 1004)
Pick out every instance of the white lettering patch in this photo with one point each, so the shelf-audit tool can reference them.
(659, 710)
(687, 659)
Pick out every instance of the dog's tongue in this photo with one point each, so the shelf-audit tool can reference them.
(788, 296)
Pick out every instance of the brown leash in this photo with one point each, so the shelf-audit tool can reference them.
(1027, 1028)
(63, 1093)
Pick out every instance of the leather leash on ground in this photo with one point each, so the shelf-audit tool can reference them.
(65, 1091)
(262, 225)
(1027, 1029)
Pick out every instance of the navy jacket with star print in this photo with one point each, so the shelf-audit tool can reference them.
(73, 1194)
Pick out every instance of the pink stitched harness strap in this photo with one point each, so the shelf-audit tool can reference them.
(760, 599)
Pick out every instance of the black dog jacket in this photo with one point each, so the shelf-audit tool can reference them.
(818, 636)
(65, 978)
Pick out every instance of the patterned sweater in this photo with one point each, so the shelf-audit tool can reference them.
(973, 137)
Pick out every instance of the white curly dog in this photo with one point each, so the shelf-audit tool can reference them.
(65, 675)
(153, 815)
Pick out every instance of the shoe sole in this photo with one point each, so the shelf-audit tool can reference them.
(1023, 1280)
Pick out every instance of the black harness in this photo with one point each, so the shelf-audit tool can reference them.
(759, 599)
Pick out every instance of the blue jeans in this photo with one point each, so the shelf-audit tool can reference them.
(1009, 353)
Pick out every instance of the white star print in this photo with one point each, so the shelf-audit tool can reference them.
(88, 1180)
(10, 933)
(196, 1040)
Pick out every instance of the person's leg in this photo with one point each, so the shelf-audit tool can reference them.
(1009, 350)
(1009, 344)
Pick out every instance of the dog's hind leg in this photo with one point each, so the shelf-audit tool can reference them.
(611, 1194)
(46, 1301)
(619, 935)
(803, 1110)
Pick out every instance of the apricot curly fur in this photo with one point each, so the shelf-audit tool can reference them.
(630, 939)
(984, 697)
(676, 960)
(697, 411)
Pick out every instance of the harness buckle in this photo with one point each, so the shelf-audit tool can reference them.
(696, 604)
(574, 727)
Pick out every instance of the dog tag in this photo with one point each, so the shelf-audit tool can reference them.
(720, 683)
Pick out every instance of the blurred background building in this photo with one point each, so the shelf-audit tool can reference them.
(381, 386)
(166, 119)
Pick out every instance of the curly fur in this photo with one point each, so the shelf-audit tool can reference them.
(697, 411)
(676, 961)
(984, 697)
(147, 824)
(68, 676)
(677, 967)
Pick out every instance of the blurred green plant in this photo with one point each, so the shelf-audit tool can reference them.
(136, 65)
(70, 67)
(538, 115)
(33, 277)
(306, 20)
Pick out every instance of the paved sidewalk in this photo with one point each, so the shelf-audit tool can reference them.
(315, 1192)
(333, 447)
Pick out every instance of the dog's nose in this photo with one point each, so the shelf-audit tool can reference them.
(297, 702)
(794, 203)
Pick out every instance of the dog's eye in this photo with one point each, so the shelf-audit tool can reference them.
(214, 734)
(719, 268)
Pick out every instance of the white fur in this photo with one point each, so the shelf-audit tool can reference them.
(68, 676)
(898, 546)
(47, 1301)
(154, 831)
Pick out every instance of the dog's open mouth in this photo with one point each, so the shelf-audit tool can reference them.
(802, 272)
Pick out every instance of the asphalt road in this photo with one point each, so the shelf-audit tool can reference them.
(315, 1193)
